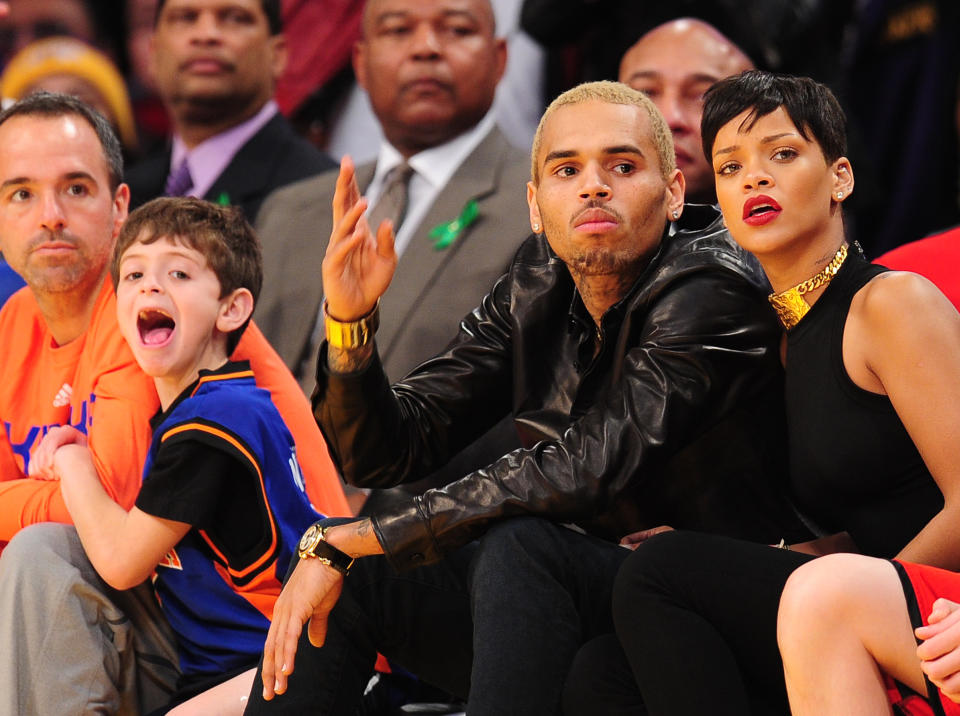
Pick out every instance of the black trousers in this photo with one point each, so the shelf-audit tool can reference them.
(497, 622)
(696, 621)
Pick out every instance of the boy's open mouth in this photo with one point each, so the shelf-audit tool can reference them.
(155, 326)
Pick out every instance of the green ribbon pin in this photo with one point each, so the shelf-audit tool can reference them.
(443, 235)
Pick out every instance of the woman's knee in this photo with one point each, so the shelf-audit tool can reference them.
(821, 595)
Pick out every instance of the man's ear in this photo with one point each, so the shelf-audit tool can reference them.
(279, 55)
(235, 309)
(842, 179)
(676, 186)
(121, 207)
(152, 55)
(536, 224)
(359, 62)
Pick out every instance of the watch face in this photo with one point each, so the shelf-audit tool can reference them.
(307, 540)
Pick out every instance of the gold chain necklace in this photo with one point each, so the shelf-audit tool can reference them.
(791, 306)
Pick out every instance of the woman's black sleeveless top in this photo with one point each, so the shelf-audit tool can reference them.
(853, 466)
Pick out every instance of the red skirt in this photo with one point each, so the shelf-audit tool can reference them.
(922, 586)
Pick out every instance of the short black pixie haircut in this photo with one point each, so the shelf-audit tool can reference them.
(811, 106)
(271, 8)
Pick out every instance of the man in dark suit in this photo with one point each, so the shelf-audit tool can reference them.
(216, 63)
(431, 70)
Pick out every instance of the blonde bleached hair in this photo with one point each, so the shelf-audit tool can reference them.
(611, 93)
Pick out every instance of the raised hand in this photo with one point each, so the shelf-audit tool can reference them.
(358, 266)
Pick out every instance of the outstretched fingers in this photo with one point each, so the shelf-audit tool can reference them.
(346, 192)
(385, 240)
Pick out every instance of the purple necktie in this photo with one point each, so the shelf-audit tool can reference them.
(180, 182)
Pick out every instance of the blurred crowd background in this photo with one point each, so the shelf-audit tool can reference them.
(895, 64)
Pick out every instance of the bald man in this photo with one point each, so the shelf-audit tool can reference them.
(674, 64)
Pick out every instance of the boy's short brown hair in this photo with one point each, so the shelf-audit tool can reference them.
(221, 233)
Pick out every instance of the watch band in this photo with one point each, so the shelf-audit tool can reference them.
(351, 334)
(314, 545)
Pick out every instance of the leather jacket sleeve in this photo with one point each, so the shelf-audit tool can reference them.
(699, 349)
(380, 437)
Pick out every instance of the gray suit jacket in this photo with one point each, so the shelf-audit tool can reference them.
(431, 290)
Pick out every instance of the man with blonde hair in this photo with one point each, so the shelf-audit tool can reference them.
(641, 370)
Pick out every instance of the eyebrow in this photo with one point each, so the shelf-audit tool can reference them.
(568, 153)
(403, 14)
(17, 181)
(765, 140)
(696, 78)
(176, 253)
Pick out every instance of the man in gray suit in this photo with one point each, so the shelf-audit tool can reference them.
(445, 174)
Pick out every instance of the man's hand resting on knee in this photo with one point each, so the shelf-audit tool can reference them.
(309, 595)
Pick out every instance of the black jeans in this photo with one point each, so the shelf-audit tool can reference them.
(696, 616)
(497, 622)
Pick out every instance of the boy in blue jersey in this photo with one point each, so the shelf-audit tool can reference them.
(222, 505)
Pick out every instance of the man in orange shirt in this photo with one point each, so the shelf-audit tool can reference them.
(65, 363)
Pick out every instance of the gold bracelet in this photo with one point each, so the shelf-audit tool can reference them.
(351, 334)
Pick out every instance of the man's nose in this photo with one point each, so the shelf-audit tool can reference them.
(205, 29)
(52, 216)
(678, 115)
(594, 183)
(426, 41)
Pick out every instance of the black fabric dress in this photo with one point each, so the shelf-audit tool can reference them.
(696, 614)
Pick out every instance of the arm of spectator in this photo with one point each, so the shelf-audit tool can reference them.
(124, 399)
(309, 595)
(41, 461)
(430, 414)
(903, 339)
(705, 344)
(124, 547)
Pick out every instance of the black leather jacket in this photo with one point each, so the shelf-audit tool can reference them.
(677, 420)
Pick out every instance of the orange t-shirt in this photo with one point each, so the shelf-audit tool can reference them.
(94, 384)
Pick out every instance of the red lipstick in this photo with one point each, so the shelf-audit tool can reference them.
(759, 210)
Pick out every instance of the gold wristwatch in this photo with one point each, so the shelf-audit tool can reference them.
(351, 334)
(314, 544)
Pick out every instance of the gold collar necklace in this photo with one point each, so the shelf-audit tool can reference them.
(790, 305)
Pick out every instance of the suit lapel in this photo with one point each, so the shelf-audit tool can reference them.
(420, 262)
(247, 173)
